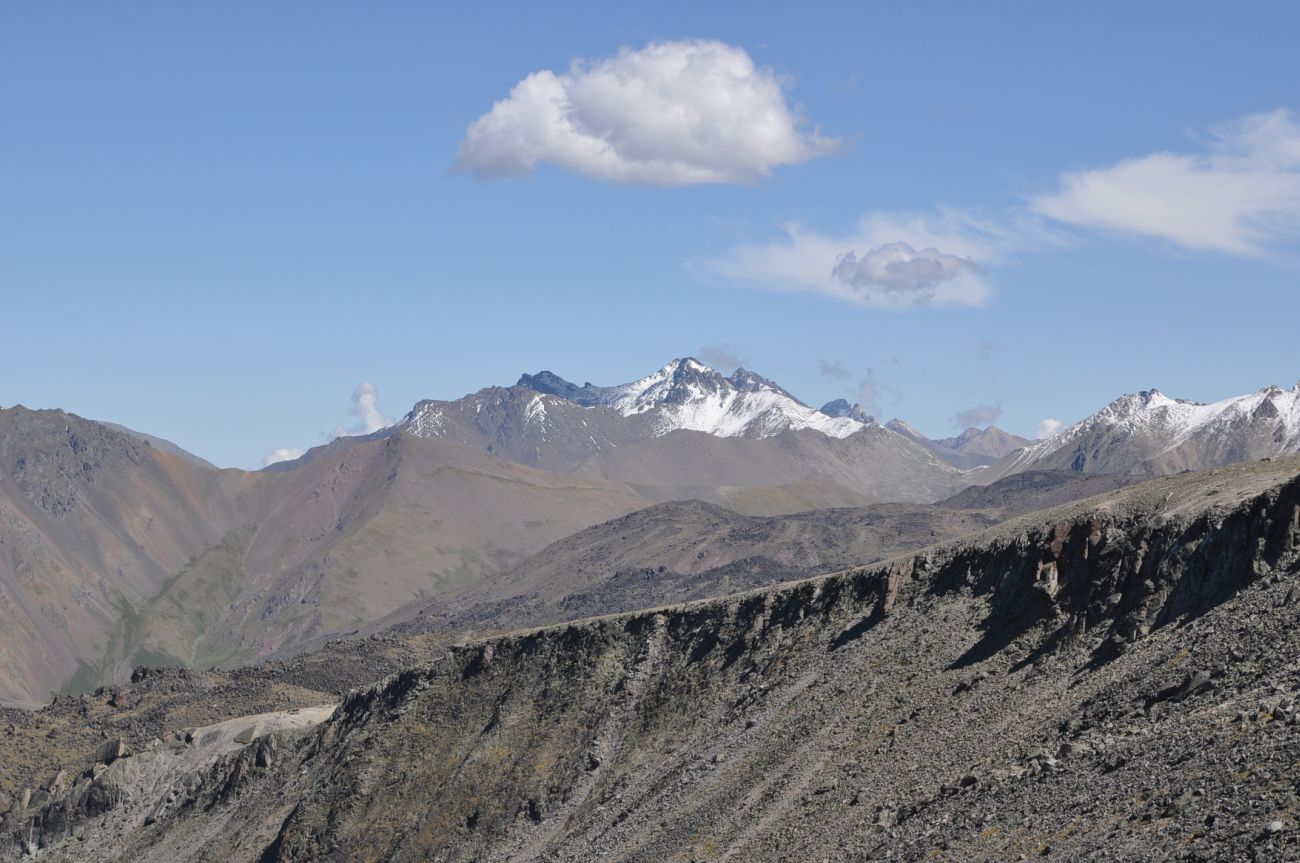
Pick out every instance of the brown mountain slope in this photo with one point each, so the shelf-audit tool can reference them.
(974, 447)
(1109, 680)
(92, 522)
(353, 535)
(671, 552)
(682, 551)
(115, 553)
(120, 554)
(160, 444)
(1036, 489)
(792, 471)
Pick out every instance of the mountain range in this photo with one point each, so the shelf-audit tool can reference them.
(117, 548)
(1149, 433)
(1111, 679)
(974, 447)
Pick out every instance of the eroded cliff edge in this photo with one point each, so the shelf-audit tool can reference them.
(1114, 679)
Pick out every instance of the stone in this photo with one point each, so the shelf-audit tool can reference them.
(111, 750)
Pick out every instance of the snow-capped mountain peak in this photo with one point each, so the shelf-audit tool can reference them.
(680, 382)
(1150, 428)
(687, 394)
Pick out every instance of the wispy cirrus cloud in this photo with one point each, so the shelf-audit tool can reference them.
(670, 114)
(1239, 195)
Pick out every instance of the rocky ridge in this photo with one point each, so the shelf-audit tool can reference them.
(1110, 680)
(1150, 433)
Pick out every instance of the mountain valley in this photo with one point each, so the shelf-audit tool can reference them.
(123, 550)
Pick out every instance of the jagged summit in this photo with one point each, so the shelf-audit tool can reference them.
(974, 447)
(990, 441)
(687, 394)
(549, 383)
(1148, 431)
(842, 408)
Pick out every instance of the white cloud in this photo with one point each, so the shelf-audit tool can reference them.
(905, 260)
(670, 114)
(1239, 195)
(365, 407)
(284, 453)
(896, 270)
(1047, 428)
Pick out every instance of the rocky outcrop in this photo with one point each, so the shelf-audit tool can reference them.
(1111, 680)
(200, 766)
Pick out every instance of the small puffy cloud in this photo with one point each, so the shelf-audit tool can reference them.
(670, 114)
(978, 415)
(830, 369)
(896, 271)
(1047, 428)
(365, 407)
(284, 453)
(888, 260)
(722, 357)
(1239, 195)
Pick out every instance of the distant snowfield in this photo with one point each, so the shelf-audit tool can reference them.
(1167, 424)
(690, 395)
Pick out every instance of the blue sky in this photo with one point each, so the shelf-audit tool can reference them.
(216, 221)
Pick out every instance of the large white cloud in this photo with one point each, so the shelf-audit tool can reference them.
(888, 260)
(1238, 196)
(672, 113)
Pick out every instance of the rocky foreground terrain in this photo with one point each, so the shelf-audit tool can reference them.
(1113, 679)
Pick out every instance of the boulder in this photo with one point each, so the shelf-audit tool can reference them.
(111, 750)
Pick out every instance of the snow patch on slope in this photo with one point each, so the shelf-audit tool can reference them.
(687, 394)
(1153, 416)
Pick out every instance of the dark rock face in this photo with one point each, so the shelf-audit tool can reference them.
(587, 395)
(842, 408)
(1112, 680)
